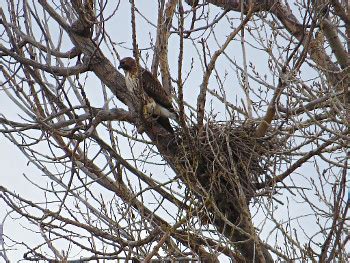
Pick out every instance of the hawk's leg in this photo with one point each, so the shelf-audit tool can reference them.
(149, 109)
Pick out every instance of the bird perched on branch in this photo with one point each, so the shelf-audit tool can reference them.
(158, 101)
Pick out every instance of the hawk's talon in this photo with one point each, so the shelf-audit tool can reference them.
(145, 112)
(148, 110)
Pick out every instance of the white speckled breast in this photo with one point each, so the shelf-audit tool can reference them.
(131, 83)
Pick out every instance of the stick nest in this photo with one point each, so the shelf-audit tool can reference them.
(226, 157)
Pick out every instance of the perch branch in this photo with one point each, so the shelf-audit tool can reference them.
(337, 47)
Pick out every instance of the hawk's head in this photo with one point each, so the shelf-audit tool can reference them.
(127, 64)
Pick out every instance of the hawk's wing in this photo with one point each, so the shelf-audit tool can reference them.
(155, 90)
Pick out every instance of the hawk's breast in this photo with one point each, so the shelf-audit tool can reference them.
(131, 83)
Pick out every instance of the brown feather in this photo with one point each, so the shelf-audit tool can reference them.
(165, 123)
(154, 89)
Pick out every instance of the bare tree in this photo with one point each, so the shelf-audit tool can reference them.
(256, 169)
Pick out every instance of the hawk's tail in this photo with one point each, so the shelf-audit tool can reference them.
(165, 123)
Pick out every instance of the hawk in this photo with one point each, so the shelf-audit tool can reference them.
(158, 100)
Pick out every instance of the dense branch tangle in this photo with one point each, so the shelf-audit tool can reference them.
(121, 188)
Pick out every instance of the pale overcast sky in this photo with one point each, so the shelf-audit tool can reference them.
(15, 167)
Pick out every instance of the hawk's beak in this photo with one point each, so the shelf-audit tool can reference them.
(120, 66)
